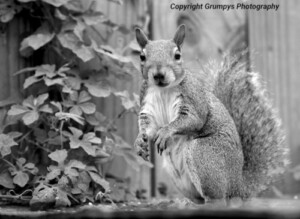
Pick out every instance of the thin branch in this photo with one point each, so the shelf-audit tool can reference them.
(6, 161)
(24, 136)
(61, 136)
(120, 115)
(38, 145)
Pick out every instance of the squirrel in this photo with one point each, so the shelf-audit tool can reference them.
(217, 131)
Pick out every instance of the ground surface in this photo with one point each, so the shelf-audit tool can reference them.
(256, 208)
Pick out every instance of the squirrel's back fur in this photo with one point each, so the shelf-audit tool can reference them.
(258, 125)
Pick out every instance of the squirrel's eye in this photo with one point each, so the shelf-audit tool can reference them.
(142, 57)
(177, 56)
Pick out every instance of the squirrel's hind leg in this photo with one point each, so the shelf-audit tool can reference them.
(206, 167)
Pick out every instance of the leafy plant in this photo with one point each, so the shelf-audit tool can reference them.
(64, 141)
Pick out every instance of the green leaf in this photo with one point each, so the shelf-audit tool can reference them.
(98, 88)
(76, 110)
(25, 70)
(142, 162)
(6, 180)
(93, 18)
(17, 110)
(76, 164)
(62, 199)
(74, 96)
(76, 132)
(96, 119)
(76, 190)
(70, 40)
(59, 155)
(121, 66)
(72, 83)
(41, 99)
(127, 102)
(30, 117)
(8, 9)
(63, 181)
(66, 116)
(75, 5)
(91, 168)
(88, 108)
(91, 137)
(51, 82)
(75, 142)
(41, 37)
(46, 109)
(29, 102)
(6, 142)
(53, 173)
(57, 105)
(60, 15)
(84, 180)
(29, 166)
(45, 70)
(84, 97)
(79, 29)
(89, 149)
(30, 81)
(43, 196)
(14, 134)
(99, 180)
(21, 178)
(40, 135)
(100, 153)
(56, 3)
(21, 161)
(71, 172)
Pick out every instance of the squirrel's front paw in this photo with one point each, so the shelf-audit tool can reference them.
(141, 146)
(161, 139)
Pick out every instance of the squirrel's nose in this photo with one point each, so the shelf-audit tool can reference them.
(159, 77)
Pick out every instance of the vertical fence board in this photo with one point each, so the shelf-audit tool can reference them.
(10, 60)
(274, 42)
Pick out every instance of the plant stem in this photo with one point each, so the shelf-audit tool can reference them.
(122, 113)
(60, 131)
(25, 136)
(39, 146)
(9, 163)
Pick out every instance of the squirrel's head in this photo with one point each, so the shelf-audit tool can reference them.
(161, 61)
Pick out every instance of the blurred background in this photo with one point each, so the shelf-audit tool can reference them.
(271, 36)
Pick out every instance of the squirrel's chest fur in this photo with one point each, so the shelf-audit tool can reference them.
(163, 105)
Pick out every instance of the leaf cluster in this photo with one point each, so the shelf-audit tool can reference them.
(55, 141)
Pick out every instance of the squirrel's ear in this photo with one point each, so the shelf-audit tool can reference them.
(141, 37)
(179, 35)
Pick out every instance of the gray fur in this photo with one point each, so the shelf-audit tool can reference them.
(233, 144)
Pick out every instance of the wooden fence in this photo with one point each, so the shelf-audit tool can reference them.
(274, 42)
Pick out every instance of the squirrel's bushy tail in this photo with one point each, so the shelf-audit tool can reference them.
(259, 127)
